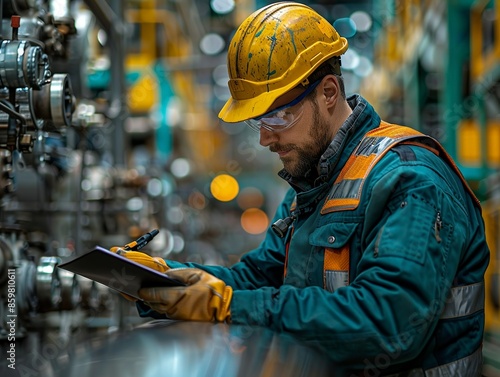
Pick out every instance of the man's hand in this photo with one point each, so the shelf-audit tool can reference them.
(204, 298)
(156, 263)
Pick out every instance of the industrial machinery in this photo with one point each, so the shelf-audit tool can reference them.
(64, 186)
(81, 164)
(36, 108)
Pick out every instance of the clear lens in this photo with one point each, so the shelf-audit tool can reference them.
(278, 120)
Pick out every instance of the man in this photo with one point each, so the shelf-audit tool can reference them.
(378, 252)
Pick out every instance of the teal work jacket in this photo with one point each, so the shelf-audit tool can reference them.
(412, 297)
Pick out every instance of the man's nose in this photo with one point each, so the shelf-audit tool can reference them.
(266, 137)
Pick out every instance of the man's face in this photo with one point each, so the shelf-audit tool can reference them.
(300, 147)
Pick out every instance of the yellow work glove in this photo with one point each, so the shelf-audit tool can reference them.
(156, 263)
(204, 298)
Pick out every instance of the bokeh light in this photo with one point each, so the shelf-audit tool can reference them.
(180, 167)
(222, 6)
(254, 221)
(212, 44)
(345, 27)
(362, 20)
(224, 187)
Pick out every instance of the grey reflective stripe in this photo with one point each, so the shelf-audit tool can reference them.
(373, 145)
(347, 188)
(336, 279)
(464, 300)
(469, 366)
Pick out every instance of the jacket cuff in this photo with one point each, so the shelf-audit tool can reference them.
(174, 264)
(252, 307)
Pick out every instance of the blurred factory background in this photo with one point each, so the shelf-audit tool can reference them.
(109, 128)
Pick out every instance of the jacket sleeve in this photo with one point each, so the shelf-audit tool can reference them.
(414, 233)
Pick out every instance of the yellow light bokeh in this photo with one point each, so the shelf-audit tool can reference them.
(224, 187)
(254, 221)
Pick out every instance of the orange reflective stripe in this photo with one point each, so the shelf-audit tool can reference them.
(336, 262)
(356, 167)
(336, 259)
(342, 204)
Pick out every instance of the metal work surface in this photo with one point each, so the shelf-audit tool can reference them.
(195, 349)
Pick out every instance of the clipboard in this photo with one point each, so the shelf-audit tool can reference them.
(117, 272)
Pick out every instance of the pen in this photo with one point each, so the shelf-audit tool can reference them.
(140, 242)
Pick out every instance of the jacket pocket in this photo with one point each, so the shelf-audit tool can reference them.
(333, 240)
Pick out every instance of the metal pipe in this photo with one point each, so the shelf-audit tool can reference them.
(111, 19)
(7, 107)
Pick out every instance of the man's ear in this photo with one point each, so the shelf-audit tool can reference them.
(331, 90)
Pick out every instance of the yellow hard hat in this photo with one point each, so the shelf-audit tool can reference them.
(276, 48)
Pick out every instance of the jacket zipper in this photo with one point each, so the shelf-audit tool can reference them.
(438, 224)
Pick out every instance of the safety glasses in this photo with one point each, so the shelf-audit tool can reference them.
(283, 117)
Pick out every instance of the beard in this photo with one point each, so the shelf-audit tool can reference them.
(307, 155)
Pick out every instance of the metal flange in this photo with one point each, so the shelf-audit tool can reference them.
(48, 284)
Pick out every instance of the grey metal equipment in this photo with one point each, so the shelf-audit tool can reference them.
(42, 218)
(64, 185)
